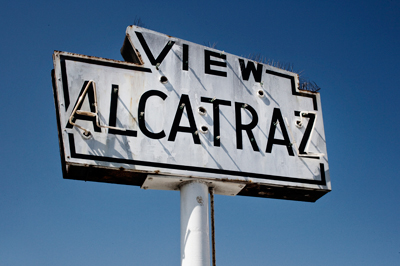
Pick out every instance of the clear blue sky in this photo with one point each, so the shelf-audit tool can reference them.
(349, 48)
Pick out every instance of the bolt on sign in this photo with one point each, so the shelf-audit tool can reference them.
(175, 111)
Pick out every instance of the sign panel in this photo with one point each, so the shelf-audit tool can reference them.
(176, 110)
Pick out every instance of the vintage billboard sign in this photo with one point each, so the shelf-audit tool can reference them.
(175, 110)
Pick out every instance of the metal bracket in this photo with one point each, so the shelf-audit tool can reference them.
(164, 182)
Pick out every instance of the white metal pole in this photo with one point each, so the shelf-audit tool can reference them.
(195, 236)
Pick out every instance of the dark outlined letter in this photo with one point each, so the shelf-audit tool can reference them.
(184, 103)
(240, 127)
(277, 119)
(141, 113)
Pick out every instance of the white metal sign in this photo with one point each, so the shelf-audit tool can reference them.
(178, 110)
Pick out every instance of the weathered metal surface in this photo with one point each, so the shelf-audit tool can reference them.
(179, 109)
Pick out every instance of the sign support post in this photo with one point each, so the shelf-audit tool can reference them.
(181, 116)
(195, 237)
